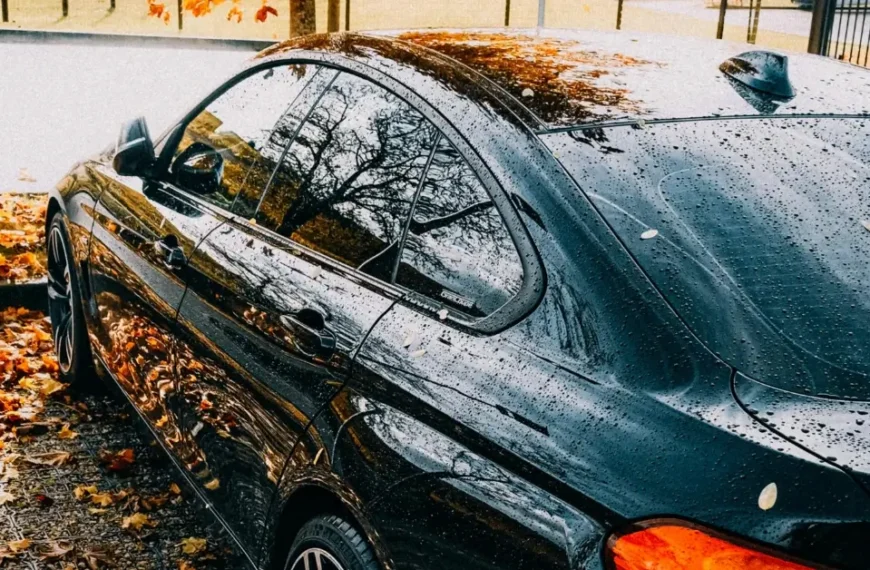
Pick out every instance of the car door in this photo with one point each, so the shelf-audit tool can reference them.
(145, 230)
(278, 304)
(438, 370)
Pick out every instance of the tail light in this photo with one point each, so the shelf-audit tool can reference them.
(670, 546)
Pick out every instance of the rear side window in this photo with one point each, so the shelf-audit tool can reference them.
(233, 145)
(346, 184)
(458, 250)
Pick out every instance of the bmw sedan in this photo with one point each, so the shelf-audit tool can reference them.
(494, 300)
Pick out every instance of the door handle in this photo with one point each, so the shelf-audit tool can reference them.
(170, 252)
(309, 333)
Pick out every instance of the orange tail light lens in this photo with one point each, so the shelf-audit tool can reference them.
(673, 547)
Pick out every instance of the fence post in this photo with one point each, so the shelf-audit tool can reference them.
(347, 15)
(507, 13)
(333, 8)
(752, 28)
(542, 7)
(4, 7)
(180, 15)
(64, 6)
(619, 15)
(720, 28)
(820, 28)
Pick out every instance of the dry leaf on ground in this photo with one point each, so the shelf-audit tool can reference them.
(137, 521)
(51, 458)
(117, 461)
(66, 433)
(193, 546)
(54, 550)
(18, 545)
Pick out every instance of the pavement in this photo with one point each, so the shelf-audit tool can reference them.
(61, 103)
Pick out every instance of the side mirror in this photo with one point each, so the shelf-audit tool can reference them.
(134, 153)
(199, 169)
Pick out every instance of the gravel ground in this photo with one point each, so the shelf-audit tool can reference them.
(45, 510)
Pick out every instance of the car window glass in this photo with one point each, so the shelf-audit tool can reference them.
(345, 186)
(233, 145)
(458, 250)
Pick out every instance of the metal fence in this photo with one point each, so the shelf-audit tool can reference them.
(841, 29)
(837, 28)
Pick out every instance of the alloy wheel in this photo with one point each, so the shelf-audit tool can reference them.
(60, 299)
(315, 559)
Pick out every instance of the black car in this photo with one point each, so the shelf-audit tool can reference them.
(495, 300)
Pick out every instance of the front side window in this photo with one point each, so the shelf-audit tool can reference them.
(233, 145)
(346, 184)
(458, 250)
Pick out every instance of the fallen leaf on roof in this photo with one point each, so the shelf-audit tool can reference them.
(6, 497)
(213, 485)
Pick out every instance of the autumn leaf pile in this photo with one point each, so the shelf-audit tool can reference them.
(22, 232)
(29, 392)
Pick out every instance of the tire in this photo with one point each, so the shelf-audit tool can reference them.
(72, 346)
(337, 542)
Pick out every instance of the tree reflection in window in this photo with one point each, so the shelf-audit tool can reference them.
(345, 186)
(242, 126)
(458, 250)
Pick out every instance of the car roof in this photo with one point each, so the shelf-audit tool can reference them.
(556, 79)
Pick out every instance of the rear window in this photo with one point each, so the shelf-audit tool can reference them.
(757, 231)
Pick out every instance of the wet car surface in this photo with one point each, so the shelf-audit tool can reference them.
(499, 300)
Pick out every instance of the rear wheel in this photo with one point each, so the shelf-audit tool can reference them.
(328, 542)
(70, 336)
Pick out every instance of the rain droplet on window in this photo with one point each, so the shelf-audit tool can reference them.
(649, 234)
(527, 92)
(442, 314)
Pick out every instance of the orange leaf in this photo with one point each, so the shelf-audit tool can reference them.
(117, 461)
(264, 12)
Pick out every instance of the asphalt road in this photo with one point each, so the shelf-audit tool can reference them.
(60, 103)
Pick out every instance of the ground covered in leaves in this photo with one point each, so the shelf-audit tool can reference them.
(22, 233)
(81, 486)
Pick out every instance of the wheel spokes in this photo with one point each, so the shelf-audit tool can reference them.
(57, 291)
(316, 559)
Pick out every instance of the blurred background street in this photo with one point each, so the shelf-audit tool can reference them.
(60, 103)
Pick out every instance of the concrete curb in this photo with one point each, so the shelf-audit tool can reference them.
(8, 35)
(31, 294)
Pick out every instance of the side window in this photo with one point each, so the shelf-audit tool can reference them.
(458, 250)
(346, 184)
(233, 145)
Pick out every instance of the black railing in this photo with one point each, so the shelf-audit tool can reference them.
(841, 29)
